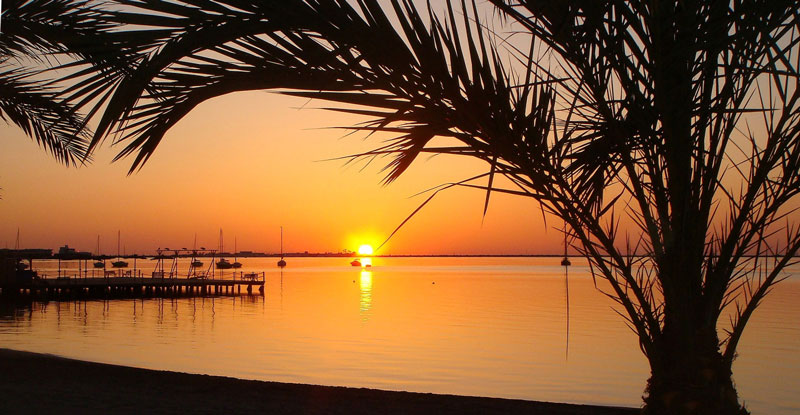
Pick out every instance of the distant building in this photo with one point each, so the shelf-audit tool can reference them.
(65, 252)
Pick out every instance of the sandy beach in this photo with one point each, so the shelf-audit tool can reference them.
(37, 383)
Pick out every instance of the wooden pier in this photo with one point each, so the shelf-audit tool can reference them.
(134, 286)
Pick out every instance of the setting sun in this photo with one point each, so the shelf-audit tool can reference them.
(365, 250)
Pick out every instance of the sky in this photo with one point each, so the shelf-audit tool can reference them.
(249, 163)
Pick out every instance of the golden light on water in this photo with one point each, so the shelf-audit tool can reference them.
(365, 300)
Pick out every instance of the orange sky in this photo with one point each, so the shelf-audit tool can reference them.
(249, 163)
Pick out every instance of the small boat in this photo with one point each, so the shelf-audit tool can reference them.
(224, 264)
(355, 263)
(236, 264)
(281, 262)
(99, 263)
(119, 263)
(195, 263)
(565, 262)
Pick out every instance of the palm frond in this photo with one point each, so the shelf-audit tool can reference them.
(35, 110)
(38, 37)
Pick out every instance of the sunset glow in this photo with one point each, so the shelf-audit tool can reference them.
(365, 250)
(266, 174)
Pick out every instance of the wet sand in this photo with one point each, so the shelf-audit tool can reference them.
(37, 383)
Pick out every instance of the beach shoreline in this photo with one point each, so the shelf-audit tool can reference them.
(35, 383)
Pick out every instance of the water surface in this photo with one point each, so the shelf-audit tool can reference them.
(469, 326)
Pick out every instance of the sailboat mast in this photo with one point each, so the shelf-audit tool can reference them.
(117, 243)
(281, 241)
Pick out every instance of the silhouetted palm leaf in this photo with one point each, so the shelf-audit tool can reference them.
(33, 108)
(42, 40)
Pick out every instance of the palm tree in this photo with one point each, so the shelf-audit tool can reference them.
(44, 43)
(680, 117)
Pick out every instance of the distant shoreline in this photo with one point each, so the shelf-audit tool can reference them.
(166, 254)
(342, 255)
(39, 383)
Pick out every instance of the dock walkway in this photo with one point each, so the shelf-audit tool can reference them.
(135, 286)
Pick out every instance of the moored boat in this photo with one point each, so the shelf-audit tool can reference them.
(565, 261)
(195, 262)
(281, 262)
(99, 263)
(236, 264)
(119, 263)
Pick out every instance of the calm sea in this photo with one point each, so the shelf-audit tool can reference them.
(468, 326)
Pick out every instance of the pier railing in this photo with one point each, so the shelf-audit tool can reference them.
(139, 275)
(128, 283)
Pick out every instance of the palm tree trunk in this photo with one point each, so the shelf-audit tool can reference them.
(688, 372)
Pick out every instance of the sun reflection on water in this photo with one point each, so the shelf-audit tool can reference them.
(365, 285)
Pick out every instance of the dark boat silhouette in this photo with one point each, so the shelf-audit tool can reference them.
(236, 264)
(99, 263)
(222, 263)
(195, 262)
(119, 263)
(565, 262)
(281, 262)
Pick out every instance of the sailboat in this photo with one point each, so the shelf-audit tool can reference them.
(236, 264)
(282, 262)
(565, 262)
(119, 263)
(195, 262)
(222, 263)
(20, 265)
(99, 263)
